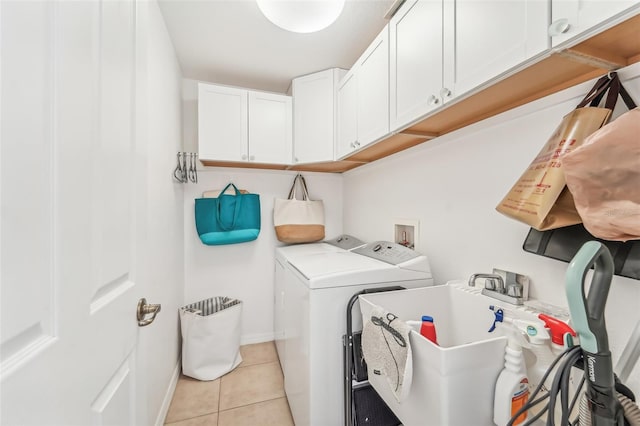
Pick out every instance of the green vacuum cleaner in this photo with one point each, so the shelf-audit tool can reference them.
(606, 401)
(587, 314)
(601, 403)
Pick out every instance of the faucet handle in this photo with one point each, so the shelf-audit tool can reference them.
(490, 284)
(514, 290)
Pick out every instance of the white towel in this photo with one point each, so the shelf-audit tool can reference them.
(387, 351)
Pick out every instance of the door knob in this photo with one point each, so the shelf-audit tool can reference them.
(145, 309)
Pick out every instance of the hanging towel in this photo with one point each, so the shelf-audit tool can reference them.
(386, 349)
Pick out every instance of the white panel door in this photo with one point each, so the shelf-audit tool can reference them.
(71, 213)
(373, 90)
(415, 61)
(313, 117)
(222, 123)
(484, 38)
(347, 136)
(570, 18)
(270, 128)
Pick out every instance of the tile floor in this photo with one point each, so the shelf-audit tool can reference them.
(250, 395)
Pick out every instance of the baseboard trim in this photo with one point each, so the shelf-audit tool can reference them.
(256, 338)
(164, 409)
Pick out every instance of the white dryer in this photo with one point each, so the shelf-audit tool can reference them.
(317, 288)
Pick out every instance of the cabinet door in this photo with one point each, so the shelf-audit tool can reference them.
(486, 38)
(313, 117)
(572, 17)
(416, 60)
(347, 115)
(270, 128)
(373, 90)
(222, 123)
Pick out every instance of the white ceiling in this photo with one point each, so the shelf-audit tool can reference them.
(231, 42)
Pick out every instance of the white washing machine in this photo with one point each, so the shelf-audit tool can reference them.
(291, 254)
(316, 290)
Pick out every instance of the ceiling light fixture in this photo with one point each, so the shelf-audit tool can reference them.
(301, 16)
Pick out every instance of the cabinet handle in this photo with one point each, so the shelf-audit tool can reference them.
(352, 145)
(433, 100)
(252, 157)
(357, 143)
(445, 92)
(244, 156)
(560, 26)
(295, 159)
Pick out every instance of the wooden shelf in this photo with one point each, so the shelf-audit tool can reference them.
(243, 165)
(328, 166)
(611, 49)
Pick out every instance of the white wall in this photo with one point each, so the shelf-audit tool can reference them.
(244, 271)
(452, 185)
(164, 273)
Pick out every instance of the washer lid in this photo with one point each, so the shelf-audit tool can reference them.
(294, 252)
(340, 269)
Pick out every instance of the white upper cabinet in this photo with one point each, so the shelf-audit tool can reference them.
(441, 49)
(363, 99)
(270, 128)
(485, 38)
(570, 18)
(347, 136)
(415, 60)
(373, 90)
(239, 125)
(222, 123)
(314, 116)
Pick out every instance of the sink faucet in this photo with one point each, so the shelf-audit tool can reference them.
(492, 281)
(494, 286)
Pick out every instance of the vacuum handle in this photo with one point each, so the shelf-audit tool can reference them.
(588, 312)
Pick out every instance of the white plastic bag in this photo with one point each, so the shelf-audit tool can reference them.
(210, 337)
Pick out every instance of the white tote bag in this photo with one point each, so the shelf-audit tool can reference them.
(210, 337)
(298, 221)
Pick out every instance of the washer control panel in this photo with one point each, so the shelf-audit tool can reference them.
(387, 251)
(345, 241)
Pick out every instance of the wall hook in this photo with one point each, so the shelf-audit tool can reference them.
(186, 170)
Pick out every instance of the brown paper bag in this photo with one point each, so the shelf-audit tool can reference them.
(540, 198)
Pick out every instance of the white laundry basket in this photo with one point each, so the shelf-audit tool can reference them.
(210, 337)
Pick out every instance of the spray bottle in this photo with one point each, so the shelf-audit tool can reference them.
(512, 386)
(562, 335)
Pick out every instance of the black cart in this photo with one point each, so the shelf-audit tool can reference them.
(362, 404)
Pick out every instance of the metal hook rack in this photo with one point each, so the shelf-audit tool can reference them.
(186, 168)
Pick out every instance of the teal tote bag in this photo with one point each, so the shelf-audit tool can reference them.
(228, 219)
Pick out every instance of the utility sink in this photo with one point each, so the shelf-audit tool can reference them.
(453, 382)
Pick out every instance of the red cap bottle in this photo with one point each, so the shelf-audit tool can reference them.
(428, 329)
